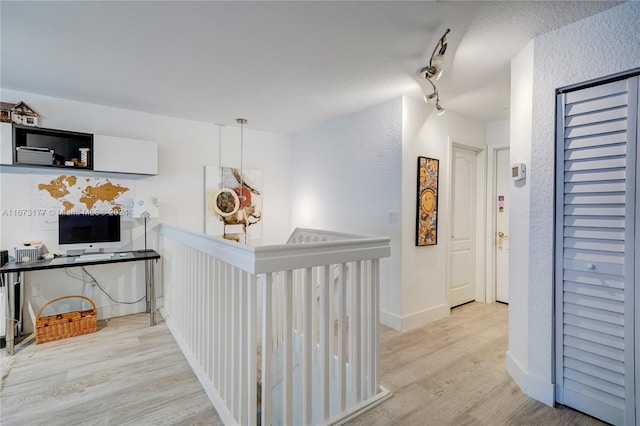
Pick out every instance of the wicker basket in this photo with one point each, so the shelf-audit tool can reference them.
(69, 324)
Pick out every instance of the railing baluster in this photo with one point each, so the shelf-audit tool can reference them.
(342, 338)
(354, 332)
(277, 300)
(235, 338)
(190, 291)
(228, 333)
(375, 303)
(287, 381)
(372, 333)
(364, 331)
(332, 327)
(325, 343)
(185, 296)
(218, 324)
(252, 352)
(242, 355)
(267, 348)
(211, 334)
(198, 314)
(204, 311)
(307, 335)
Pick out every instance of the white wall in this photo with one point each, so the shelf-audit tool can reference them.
(346, 176)
(595, 47)
(424, 273)
(521, 110)
(349, 173)
(184, 148)
(498, 134)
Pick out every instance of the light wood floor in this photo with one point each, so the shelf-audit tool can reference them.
(125, 374)
(450, 372)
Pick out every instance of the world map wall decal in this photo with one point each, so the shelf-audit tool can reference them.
(89, 194)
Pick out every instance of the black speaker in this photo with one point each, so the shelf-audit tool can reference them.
(4, 257)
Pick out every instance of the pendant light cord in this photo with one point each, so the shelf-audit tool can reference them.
(242, 122)
(220, 153)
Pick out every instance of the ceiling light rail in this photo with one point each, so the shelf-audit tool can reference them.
(435, 69)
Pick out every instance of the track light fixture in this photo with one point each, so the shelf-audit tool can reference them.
(434, 70)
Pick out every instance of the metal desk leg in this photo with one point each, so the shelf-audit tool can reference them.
(10, 312)
(20, 314)
(151, 291)
(147, 287)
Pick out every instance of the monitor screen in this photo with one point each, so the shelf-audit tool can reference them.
(88, 230)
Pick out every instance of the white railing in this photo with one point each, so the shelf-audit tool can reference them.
(278, 335)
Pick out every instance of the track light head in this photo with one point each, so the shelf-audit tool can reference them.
(430, 97)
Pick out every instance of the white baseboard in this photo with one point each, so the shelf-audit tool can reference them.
(515, 371)
(414, 320)
(533, 386)
(390, 320)
(421, 318)
(113, 311)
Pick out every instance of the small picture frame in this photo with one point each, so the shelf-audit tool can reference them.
(427, 202)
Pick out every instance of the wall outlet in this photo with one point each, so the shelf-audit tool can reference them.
(393, 216)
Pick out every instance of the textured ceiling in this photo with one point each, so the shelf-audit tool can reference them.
(285, 66)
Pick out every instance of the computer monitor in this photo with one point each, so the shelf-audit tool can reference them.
(88, 232)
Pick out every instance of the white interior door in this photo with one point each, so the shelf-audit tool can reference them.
(462, 250)
(503, 182)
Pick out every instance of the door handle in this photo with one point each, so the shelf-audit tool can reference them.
(501, 238)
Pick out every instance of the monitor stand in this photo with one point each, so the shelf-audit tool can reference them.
(79, 252)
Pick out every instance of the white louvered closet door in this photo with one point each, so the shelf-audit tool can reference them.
(595, 250)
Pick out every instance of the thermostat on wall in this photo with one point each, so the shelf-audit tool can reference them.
(517, 171)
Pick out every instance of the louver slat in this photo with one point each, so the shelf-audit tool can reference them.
(588, 358)
(595, 371)
(594, 210)
(594, 244)
(597, 117)
(615, 198)
(595, 164)
(595, 92)
(594, 313)
(594, 141)
(594, 325)
(593, 278)
(598, 291)
(596, 129)
(596, 152)
(597, 104)
(595, 175)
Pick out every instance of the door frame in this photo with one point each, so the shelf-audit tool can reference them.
(481, 218)
(492, 215)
